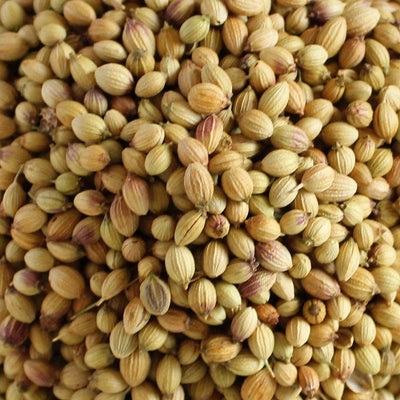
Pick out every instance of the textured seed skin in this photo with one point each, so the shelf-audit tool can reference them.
(199, 199)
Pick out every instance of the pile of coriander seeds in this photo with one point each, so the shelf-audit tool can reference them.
(200, 199)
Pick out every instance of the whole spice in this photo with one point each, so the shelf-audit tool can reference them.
(199, 199)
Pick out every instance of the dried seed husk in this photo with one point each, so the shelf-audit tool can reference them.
(189, 227)
(191, 150)
(385, 122)
(342, 159)
(320, 285)
(245, 8)
(12, 158)
(99, 356)
(175, 320)
(150, 84)
(12, 332)
(109, 381)
(135, 368)
(19, 306)
(238, 271)
(194, 29)
(40, 372)
(66, 281)
(321, 335)
(109, 51)
(261, 342)
(135, 192)
(327, 252)
(202, 296)
(314, 311)
(115, 282)
(297, 98)
(89, 128)
(312, 56)
(123, 219)
(212, 73)
(285, 373)
(228, 295)
(219, 349)
(284, 287)
(225, 160)
(52, 309)
(318, 178)
(332, 35)
(360, 20)
(217, 226)
(159, 159)
(29, 218)
(194, 372)
(348, 260)
(380, 163)
(221, 376)
(364, 331)
(217, 11)
(137, 35)
(294, 222)
(280, 162)
(260, 181)
(106, 319)
(155, 295)
(133, 249)
(279, 59)
(261, 76)
(207, 98)
(339, 308)
(368, 359)
(198, 184)
(334, 89)
(317, 232)
(163, 227)
(255, 125)
(344, 362)
(275, 99)
(377, 54)
(209, 132)
(297, 331)
(361, 285)
(152, 336)
(339, 133)
(237, 184)
(135, 316)
(257, 287)
(234, 35)
(290, 137)
(13, 46)
(244, 324)
(203, 55)
(387, 279)
(274, 256)
(325, 11)
(342, 188)
(263, 228)
(260, 386)
(283, 191)
(168, 374)
(180, 264)
(245, 364)
(215, 258)
(260, 39)
(188, 76)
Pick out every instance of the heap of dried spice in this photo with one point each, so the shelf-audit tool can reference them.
(199, 199)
